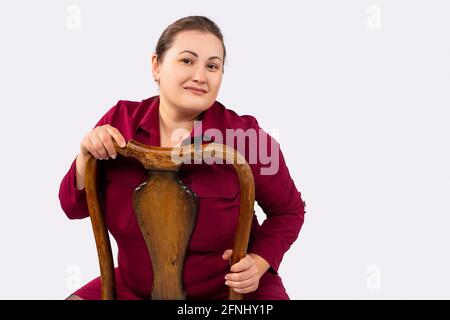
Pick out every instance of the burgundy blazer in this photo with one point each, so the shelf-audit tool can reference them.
(217, 188)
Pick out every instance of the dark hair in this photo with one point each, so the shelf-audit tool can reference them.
(199, 23)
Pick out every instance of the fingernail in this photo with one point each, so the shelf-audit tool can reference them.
(227, 283)
(113, 156)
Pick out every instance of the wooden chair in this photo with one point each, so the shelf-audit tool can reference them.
(166, 211)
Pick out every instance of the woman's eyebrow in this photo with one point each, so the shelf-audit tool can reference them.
(196, 55)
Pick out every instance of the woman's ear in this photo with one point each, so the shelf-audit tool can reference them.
(155, 66)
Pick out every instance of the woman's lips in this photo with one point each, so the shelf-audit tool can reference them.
(194, 91)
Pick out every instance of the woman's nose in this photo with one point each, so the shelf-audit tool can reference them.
(199, 75)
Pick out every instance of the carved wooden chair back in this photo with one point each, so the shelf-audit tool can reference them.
(166, 211)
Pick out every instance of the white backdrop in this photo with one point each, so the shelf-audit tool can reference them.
(359, 91)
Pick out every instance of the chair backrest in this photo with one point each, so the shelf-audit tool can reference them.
(166, 211)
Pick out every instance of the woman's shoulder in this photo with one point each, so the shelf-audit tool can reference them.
(127, 115)
(232, 119)
(133, 109)
(128, 110)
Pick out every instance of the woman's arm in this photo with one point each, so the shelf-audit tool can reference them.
(277, 195)
(73, 200)
(72, 195)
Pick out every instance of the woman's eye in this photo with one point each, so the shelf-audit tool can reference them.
(188, 61)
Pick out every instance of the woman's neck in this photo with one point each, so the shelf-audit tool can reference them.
(171, 119)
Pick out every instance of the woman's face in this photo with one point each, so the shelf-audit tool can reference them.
(194, 60)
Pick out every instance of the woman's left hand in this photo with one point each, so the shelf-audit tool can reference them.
(245, 273)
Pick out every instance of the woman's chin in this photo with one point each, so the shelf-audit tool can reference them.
(194, 106)
(197, 104)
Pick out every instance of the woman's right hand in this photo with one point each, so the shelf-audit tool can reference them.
(99, 142)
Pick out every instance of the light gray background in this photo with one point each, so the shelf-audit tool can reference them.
(359, 91)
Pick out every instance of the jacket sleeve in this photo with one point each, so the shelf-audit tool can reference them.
(277, 195)
(73, 201)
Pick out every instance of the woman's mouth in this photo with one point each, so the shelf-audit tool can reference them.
(195, 91)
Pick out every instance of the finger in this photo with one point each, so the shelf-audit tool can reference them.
(227, 254)
(243, 264)
(108, 143)
(95, 154)
(243, 284)
(242, 276)
(117, 136)
(99, 147)
(90, 147)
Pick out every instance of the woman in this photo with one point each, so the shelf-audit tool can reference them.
(188, 66)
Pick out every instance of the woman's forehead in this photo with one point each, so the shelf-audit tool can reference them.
(200, 43)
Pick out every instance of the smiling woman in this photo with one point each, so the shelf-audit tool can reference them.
(188, 66)
(189, 72)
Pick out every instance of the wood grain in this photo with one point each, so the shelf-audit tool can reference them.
(166, 211)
